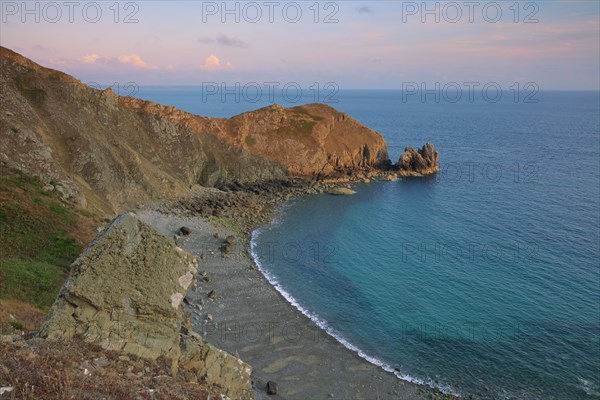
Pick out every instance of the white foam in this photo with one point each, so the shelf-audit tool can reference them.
(588, 387)
(321, 323)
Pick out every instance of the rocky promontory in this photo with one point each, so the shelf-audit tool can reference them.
(108, 153)
(421, 162)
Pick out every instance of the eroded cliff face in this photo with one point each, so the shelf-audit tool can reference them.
(307, 140)
(109, 153)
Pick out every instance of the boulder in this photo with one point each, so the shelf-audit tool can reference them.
(125, 291)
(230, 239)
(418, 162)
(185, 231)
(271, 388)
(226, 248)
(216, 367)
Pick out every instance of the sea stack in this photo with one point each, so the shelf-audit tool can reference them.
(418, 162)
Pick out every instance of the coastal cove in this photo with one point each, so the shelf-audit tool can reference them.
(232, 172)
(354, 200)
(250, 319)
(473, 271)
(307, 251)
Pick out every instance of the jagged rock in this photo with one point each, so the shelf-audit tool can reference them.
(271, 388)
(124, 291)
(217, 367)
(418, 162)
(185, 231)
(213, 295)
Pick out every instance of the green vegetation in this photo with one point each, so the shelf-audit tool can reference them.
(303, 127)
(31, 282)
(229, 223)
(17, 325)
(298, 128)
(301, 111)
(304, 124)
(37, 235)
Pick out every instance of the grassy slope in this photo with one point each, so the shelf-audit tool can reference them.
(39, 238)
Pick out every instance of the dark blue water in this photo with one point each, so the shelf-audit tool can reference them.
(482, 280)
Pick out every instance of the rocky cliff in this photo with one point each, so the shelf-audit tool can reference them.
(109, 153)
(125, 292)
(418, 162)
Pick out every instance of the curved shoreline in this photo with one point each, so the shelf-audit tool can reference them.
(322, 324)
(251, 318)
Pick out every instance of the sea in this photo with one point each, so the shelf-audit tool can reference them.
(483, 280)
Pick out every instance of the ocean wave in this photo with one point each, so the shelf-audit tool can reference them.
(588, 387)
(321, 323)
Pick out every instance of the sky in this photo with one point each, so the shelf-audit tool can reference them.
(353, 44)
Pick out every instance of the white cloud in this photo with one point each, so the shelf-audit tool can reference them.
(213, 63)
(135, 61)
(132, 60)
(90, 58)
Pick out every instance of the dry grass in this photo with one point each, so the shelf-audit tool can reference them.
(74, 369)
(16, 316)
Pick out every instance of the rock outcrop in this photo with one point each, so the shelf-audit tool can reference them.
(216, 366)
(125, 293)
(418, 162)
(109, 153)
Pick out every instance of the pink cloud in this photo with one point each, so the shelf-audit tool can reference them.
(213, 63)
(135, 61)
(90, 58)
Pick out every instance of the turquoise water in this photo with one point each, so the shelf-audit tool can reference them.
(482, 280)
